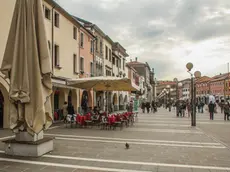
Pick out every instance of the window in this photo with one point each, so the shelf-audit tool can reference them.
(108, 73)
(47, 13)
(56, 19)
(100, 47)
(96, 44)
(75, 63)
(82, 39)
(110, 55)
(91, 68)
(123, 64)
(74, 33)
(106, 52)
(113, 61)
(56, 55)
(82, 64)
(117, 62)
(119, 65)
(91, 46)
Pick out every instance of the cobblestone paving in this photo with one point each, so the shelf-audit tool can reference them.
(159, 142)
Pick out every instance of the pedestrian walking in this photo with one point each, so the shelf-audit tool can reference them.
(226, 111)
(199, 107)
(143, 106)
(211, 108)
(183, 109)
(65, 111)
(148, 107)
(202, 107)
(189, 109)
(153, 106)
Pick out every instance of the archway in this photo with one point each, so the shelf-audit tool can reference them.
(88, 95)
(4, 91)
(74, 99)
(58, 98)
(99, 100)
(121, 102)
(1, 109)
(85, 101)
(109, 99)
(70, 97)
(126, 99)
(115, 102)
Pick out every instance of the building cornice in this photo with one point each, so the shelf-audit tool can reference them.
(63, 12)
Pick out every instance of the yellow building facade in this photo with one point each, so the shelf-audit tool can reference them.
(63, 36)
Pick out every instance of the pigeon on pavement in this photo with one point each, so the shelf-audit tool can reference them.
(127, 146)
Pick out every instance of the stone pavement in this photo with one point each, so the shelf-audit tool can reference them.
(159, 142)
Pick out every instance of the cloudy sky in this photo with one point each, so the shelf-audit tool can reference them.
(165, 33)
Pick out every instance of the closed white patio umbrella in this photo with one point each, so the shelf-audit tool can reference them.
(26, 63)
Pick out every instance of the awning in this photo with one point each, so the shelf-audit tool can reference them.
(60, 83)
(103, 84)
(62, 86)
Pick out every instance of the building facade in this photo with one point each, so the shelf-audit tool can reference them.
(63, 40)
(144, 70)
(119, 55)
(185, 90)
(86, 66)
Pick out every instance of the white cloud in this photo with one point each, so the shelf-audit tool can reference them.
(165, 33)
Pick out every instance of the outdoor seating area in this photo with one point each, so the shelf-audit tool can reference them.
(101, 120)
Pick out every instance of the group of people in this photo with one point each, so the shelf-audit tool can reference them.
(149, 106)
(212, 109)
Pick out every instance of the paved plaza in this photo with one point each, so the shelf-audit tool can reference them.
(159, 142)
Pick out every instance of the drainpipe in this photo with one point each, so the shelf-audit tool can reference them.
(79, 47)
(94, 96)
(52, 38)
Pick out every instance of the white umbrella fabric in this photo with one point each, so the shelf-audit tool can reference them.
(103, 84)
(26, 63)
(212, 98)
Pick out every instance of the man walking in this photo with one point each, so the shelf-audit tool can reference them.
(211, 108)
(226, 111)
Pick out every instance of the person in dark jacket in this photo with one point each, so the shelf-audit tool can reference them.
(226, 111)
(70, 109)
(202, 107)
(148, 106)
(183, 109)
(154, 107)
(84, 104)
(143, 106)
(211, 108)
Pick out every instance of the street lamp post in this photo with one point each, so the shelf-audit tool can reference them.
(168, 87)
(178, 84)
(170, 99)
(165, 97)
(176, 80)
(197, 74)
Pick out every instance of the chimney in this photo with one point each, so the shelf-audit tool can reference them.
(136, 59)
